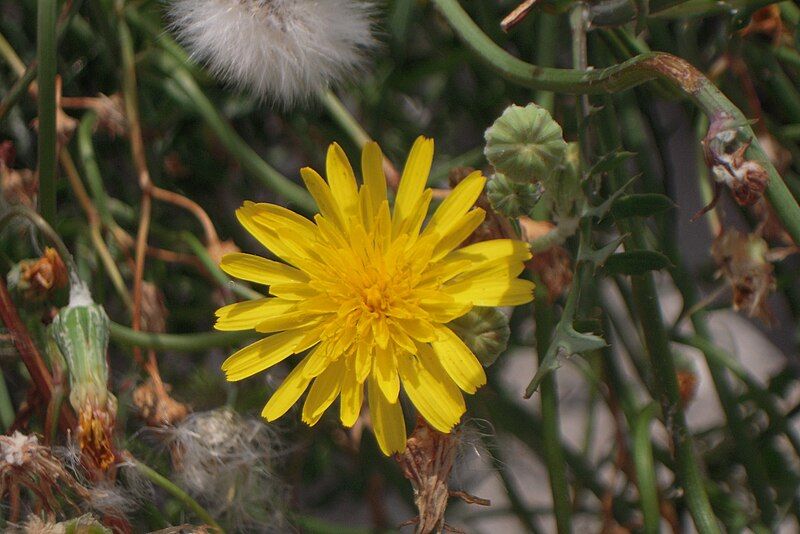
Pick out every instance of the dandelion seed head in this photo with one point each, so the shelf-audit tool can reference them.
(226, 462)
(282, 50)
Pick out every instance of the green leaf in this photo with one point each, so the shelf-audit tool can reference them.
(636, 262)
(610, 161)
(566, 342)
(600, 256)
(641, 205)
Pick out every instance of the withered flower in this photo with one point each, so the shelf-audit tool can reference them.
(39, 278)
(724, 152)
(742, 261)
(24, 463)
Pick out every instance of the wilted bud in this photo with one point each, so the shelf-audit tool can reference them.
(485, 331)
(156, 406)
(81, 332)
(37, 279)
(525, 144)
(512, 199)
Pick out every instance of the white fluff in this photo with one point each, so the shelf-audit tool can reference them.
(282, 50)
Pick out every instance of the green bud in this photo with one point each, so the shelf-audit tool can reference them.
(525, 144)
(485, 331)
(563, 187)
(512, 199)
(81, 333)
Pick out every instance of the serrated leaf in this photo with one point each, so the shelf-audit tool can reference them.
(602, 209)
(566, 342)
(610, 161)
(641, 205)
(636, 262)
(600, 255)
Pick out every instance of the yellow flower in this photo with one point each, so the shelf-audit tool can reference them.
(369, 294)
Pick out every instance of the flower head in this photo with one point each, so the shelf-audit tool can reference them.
(283, 50)
(368, 293)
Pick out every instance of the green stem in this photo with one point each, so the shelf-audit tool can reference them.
(46, 55)
(656, 341)
(7, 412)
(51, 235)
(344, 118)
(642, 68)
(219, 275)
(551, 433)
(162, 481)
(177, 342)
(645, 468)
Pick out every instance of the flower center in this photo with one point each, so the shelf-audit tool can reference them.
(375, 299)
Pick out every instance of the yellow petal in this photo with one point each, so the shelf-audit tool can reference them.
(491, 292)
(372, 171)
(317, 361)
(352, 398)
(385, 371)
(261, 355)
(287, 321)
(281, 236)
(483, 251)
(401, 339)
(458, 233)
(413, 222)
(293, 291)
(413, 180)
(436, 398)
(287, 394)
(342, 181)
(246, 315)
(417, 328)
(277, 217)
(458, 360)
(323, 196)
(387, 421)
(260, 270)
(364, 357)
(323, 392)
(457, 204)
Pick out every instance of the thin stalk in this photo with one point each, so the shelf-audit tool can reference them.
(46, 150)
(166, 484)
(551, 433)
(656, 342)
(219, 275)
(231, 140)
(7, 412)
(642, 68)
(645, 468)
(177, 342)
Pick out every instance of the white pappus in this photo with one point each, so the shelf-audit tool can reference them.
(284, 51)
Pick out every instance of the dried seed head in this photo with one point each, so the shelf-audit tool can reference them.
(282, 50)
(24, 463)
(226, 462)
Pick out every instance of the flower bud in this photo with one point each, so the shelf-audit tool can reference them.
(525, 144)
(512, 199)
(81, 332)
(485, 331)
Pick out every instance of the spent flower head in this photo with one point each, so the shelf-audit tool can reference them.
(368, 292)
(282, 50)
